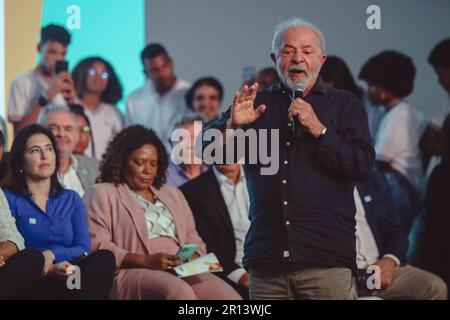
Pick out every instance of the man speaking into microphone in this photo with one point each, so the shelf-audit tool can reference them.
(301, 242)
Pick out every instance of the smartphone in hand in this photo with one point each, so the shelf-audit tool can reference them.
(186, 251)
(61, 66)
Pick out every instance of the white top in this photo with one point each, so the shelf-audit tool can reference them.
(367, 252)
(144, 106)
(397, 142)
(24, 94)
(375, 115)
(237, 202)
(70, 179)
(159, 219)
(106, 122)
(8, 228)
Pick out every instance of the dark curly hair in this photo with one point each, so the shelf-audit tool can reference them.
(112, 93)
(16, 182)
(114, 160)
(391, 70)
(440, 55)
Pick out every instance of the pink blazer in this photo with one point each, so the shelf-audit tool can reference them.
(117, 223)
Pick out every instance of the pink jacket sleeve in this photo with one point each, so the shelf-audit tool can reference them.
(98, 205)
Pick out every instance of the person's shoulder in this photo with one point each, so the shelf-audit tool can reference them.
(172, 192)
(109, 108)
(182, 84)
(140, 92)
(9, 194)
(25, 77)
(197, 182)
(68, 195)
(104, 189)
(86, 161)
(110, 111)
(405, 112)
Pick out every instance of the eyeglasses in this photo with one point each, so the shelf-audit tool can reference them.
(92, 72)
(85, 129)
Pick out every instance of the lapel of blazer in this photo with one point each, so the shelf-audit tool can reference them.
(215, 196)
(164, 195)
(136, 212)
(83, 173)
(365, 193)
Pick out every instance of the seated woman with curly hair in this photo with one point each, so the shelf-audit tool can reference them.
(144, 222)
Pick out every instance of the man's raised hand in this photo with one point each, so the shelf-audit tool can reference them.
(243, 111)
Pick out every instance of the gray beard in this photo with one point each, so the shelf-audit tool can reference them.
(306, 83)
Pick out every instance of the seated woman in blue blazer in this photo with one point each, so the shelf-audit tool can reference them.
(53, 220)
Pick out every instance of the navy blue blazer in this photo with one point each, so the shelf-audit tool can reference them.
(382, 217)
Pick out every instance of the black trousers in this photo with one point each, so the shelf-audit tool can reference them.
(21, 270)
(97, 274)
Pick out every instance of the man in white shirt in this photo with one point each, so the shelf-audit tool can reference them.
(390, 77)
(381, 241)
(161, 99)
(32, 91)
(219, 200)
(75, 172)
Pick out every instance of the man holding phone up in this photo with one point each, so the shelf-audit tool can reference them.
(35, 89)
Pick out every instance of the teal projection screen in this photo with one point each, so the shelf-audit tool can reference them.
(113, 30)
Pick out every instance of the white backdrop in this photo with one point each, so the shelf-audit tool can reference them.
(217, 37)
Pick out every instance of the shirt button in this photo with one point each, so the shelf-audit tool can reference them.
(289, 124)
(286, 162)
(288, 223)
(284, 181)
(288, 143)
(285, 203)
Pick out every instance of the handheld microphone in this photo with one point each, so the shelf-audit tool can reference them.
(298, 90)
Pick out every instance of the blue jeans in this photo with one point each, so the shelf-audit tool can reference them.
(406, 198)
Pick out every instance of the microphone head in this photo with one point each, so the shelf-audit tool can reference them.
(297, 90)
(298, 87)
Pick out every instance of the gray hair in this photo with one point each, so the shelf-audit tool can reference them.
(53, 107)
(188, 118)
(283, 26)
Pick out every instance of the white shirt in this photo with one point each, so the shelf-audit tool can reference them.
(106, 122)
(367, 252)
(375, 115)
(146, 107)
(397, 142)
(24, 94)
(159, 219)
(70, 179)
(237, 202)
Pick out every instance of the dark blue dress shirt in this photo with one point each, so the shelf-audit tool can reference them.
(304, 215)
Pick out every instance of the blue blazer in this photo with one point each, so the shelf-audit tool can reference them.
(382, 217)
